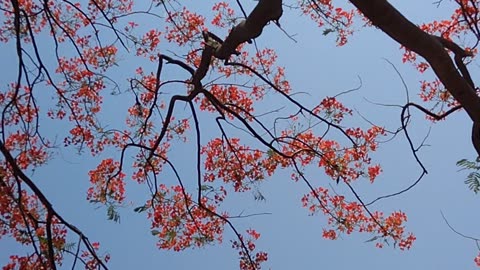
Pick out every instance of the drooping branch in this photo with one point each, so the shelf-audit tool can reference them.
(51, 212)
(383, 15)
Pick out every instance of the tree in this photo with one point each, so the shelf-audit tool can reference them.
(214, 94)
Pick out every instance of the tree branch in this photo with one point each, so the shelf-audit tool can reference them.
(250, 28)
(383, 15)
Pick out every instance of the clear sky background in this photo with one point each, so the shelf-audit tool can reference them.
(292, 238)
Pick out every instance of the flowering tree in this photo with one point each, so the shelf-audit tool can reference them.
(67, 55)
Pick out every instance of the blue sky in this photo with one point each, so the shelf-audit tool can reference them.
(293, 238)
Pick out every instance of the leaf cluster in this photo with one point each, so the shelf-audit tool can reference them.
(473, 178)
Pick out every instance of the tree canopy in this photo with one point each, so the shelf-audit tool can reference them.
(190, 102)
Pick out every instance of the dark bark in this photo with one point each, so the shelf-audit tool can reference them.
(394, 24)
(250, 28)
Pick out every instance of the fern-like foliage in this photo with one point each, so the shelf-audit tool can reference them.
(112, 213)
(70, 247)
(473, 178)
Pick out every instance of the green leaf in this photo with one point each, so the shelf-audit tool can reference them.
(327, 31)
(206, 187)
(258, 196)
(140, 209)
(462, 162)
(171, 235)
(473, 181)
(372, 239)
(473, 178)
(112, 213)
(69, 246)
(95, 201)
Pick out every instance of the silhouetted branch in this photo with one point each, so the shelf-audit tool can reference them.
(250, 28)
